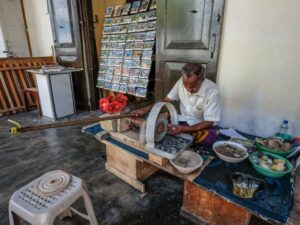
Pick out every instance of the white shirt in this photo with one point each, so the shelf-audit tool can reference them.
(203, 105)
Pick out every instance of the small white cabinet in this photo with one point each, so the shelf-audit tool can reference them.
(56, 93)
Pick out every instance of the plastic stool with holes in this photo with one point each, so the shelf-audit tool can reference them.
(48, 197)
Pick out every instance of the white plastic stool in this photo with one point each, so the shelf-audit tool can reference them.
(39, 210)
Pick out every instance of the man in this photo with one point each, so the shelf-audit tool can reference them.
(199, 101)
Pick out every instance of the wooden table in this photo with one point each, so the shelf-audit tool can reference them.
(132, 163)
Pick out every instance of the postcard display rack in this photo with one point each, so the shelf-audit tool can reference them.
(127, 48)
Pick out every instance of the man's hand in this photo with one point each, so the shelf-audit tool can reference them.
(142, 111)
(176, 129)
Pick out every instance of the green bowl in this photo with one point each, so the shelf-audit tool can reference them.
(270, 173)
(265, 149)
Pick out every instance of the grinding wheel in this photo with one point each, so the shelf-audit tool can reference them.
(161, 127)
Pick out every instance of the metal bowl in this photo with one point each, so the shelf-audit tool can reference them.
(187, 162)
(230, 159)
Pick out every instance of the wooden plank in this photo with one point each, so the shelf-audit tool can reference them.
(24, 84)
(145, 170)
(157, 159)
(6, 92)
(133, 182)
(12, 88)
(198, 202)
(2, 100)
(228, 213)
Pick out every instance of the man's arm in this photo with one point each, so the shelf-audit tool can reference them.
(177, 129)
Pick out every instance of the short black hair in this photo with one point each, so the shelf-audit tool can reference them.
(191, 69)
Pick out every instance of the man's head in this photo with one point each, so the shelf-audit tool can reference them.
(192, 77)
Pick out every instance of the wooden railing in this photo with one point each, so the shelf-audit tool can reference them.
(14, 79)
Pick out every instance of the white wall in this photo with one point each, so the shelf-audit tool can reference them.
(2, 44)
(39, 27)
(259, 70)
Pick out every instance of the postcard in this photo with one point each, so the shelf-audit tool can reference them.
(132, 28)
(134, 18)
(128, 54)
(126, 10)
(134, 72)
(120, 46)
(143, 17)
(144, 73)
(115, 29)
(135, 63)
(121, 37)
(115, 87)
(107, 30)
(147, 54)
(108, 77)
(127, 63)
(135, 7)
(101, 76)
(153, 4)
(119, 54)
(112, 45)
(137, 45)
(151, 25)
(146, 64)
(144, 5)
(102, 69)
(141, 92)
(111, 54)
(143, 82)
(133, 81)
(104, 62)
(113, 38)
(148, 45)
(126, 19)
(125, 71)
(129, 46)
(107, 85)
(122, 29)
(108, 21)
(118, 70)
(152, 15)
(130, 37)
(105, 38)
(110, 70)
(116, 79)
(123, 88)
(109, 11)
(111, 62)
(104, 54)
(118, 10)
(100, 83)
(137, 54)
(118, 62)
(124, 79)
(150, 36)
(131, 90)
(141, 27)
(140, 36)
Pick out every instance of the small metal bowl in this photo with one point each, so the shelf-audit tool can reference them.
(187, 162)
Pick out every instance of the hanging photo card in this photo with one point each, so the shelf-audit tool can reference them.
(108, 21)
(128, 54)
(146, 64)
(137, 54)
(134, 18)
(133, 81)
(112, 45)
(126, 10)
(107, 85)
(104, 54)
(118, 11)
(141, 27)
(153, 4)
(140, 36)
(111, 62)
(116, 79)
(110, 70)
(121, 37)
(113, 38)
(143, 82)
(115, 87)
(102, 69)
(151, 25)
(143, 17)
(134, 72)
(130, 37)
(141, 92)
(105, 38)
(129, 46)
(100, 83)
(147, 54)
(127, 63)
(124, 80)
(150, 36)
(144, 74)
(118, 62)
(120, 46)
(126, 71)
(108, 78)
(132, 28)
(148, 45)
(123, 88)
(131, 90)
(111, 55)
(118, 70)
(109, 11)
(135, 7)
(126, 19)
(152, 15)
(104, 62)
(144, 5)
(107, 30)
(122, 29)
(138, 45)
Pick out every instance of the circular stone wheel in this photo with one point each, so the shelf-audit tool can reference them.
(161, 127)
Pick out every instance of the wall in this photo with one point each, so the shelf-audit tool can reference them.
(39, 27)
(2, 43)
(99, 7)
(259, 65)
